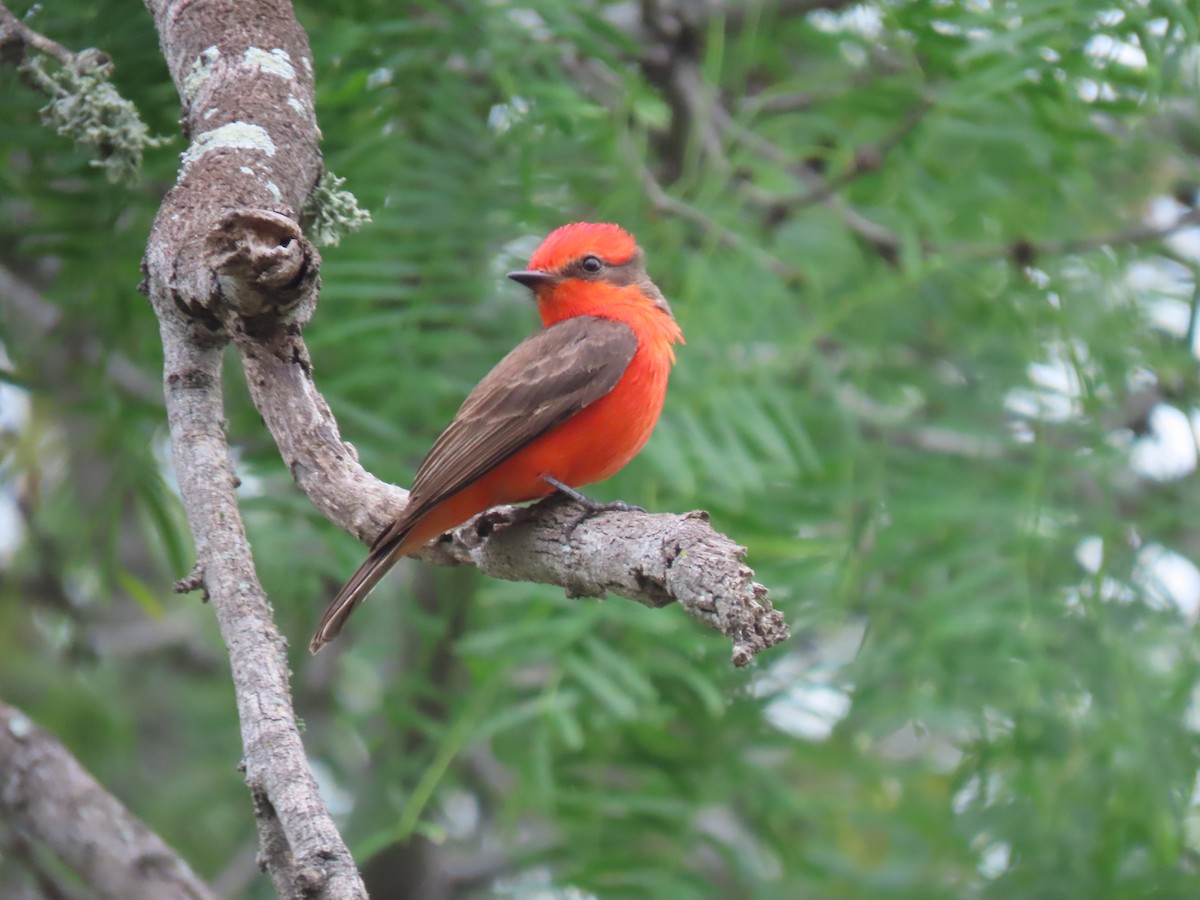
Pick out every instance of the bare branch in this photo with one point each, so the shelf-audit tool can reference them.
(1025, 252)
(867, 158)
(663, 202)
(52, 800)
(667, 33)
(883, 240)
(16, 37)
(244, 73)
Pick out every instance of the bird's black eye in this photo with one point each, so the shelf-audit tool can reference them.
(592, 264)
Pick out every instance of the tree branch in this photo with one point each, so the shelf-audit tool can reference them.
(1026, 252)
(244, 74)
(16, 37)
(49, 798)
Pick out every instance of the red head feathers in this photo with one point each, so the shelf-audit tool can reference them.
(611, 243)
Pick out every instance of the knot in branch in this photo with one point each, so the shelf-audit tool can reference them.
(265, 267)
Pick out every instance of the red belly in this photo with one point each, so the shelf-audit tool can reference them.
(590, 446)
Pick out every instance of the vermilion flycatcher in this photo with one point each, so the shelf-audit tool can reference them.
(572, 404)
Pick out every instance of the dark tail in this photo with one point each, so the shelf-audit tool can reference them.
(381, 558)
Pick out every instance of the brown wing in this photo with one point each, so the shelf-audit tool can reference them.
(548, 377)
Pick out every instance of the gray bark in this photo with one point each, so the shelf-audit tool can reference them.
(225, 247)
(48, 797)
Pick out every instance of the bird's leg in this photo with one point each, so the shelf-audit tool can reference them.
(590, 507)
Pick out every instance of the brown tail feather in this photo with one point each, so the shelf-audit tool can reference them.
(354, 592)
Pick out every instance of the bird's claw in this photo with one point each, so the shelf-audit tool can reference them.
(590, 507)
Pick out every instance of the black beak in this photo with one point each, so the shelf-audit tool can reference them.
(533, 279)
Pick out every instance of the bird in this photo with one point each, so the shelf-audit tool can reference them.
(568, 406)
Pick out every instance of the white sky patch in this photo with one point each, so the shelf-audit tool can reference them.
(809, 710)
(1164, 289)
(1110, 591)
(1186, 243)
(1168, 451)
(273, 62)
(993, 862)
(966, 796)
(380, 77)
(1090, 553)
(234, 136)
(862, 19)
(503, 116)
(15, 410)
(12, 529)
(531, 22)
(1168, 580)
(809, 695)
(1107, 49)
(1165, 211)
(1169, 314)
(1054, 396)
(1090, 90)
(976, 791)
(460, 813)
(513, 255)
(1160, 276)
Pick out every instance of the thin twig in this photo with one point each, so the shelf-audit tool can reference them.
(1025, 252)
(16, 36)
(882, 239)
(663, 202)
(867, 158)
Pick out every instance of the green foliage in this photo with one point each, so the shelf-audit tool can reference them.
(927, 449)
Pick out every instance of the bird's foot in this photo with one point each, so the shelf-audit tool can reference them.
(590, 507)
